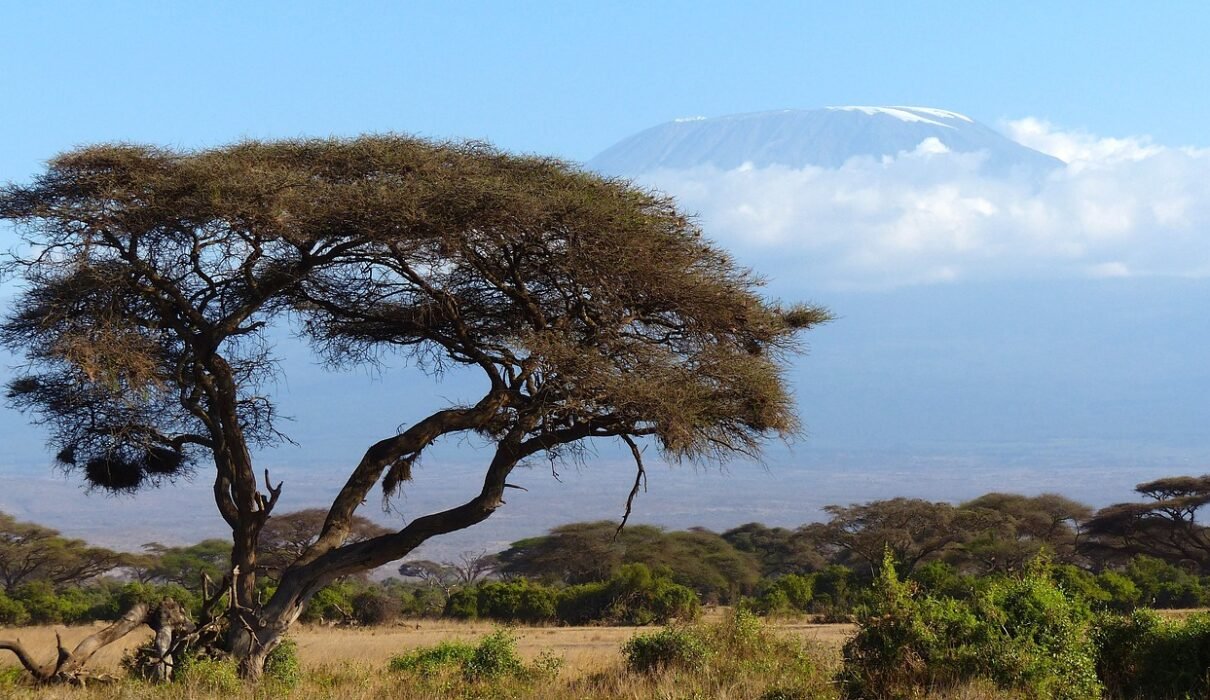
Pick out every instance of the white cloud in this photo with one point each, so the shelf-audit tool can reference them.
(1121, 206)
(1079, 148)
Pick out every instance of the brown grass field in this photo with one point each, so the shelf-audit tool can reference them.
(351, 663)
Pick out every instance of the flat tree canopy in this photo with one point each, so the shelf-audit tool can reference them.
(593, 308)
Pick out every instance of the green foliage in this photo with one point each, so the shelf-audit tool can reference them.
(728, 659)
(129, 594)
(47, 606)
(520, 601)
(433, 659)
(186, 565)
(1043, 644)
(507, 601)
(1123, 593)
(785, 595)
(1022, 634)
(1164, 585)
(376, 606)
(581, 553)
(942, 580)
(636, 595)
(1147, 657)
(463, 604)
(332, 602)
(210, 675)
(12, 677)
(12, 612)
(282, 665)
(836, 590)
(672, 647)
(493, 658)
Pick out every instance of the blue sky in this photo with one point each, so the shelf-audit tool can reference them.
(572, 78)
(1111, 375)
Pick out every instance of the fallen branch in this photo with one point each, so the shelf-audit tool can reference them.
(68, 667)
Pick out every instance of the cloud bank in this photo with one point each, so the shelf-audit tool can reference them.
(1121, 207)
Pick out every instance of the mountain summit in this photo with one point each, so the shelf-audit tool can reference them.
(814, 137)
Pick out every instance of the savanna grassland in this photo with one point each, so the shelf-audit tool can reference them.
(353, 663)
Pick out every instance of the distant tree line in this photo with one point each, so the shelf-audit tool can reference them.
(1149, 553)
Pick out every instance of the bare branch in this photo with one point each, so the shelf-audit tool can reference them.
(640, 478)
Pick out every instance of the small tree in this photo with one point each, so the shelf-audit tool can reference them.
(449, 576)
(591, 308)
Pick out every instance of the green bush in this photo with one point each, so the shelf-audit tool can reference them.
(493, 658)
(729, 658)
(1123, 593)
(672, 647)
(1039, 638)
(1145, 656)
(784, 595)
(332, 602)
(430, 660)
(375, 606)
(1164, 585)
(209, 675)
(941, 580)
(633, 596)
(1022, 634)
(282, 665)
(516, 601)
(836, 591)
(47, 606)
(12, 612)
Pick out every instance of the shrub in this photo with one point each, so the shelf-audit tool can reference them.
(374, 606)
(463, 604)
(333, 602)
(941, 580)
(1163, 585)
(633, 596)
(737, 657)
(12, 612)
(1039, 638)
(219, 676)
(430, 660)
(282, 664)
(672, 647)
(1123, 593)
(516, 601)
(1021, 634)
(1144, 656)
(493, 658)
(789, 594)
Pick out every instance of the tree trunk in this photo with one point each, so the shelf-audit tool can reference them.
(250, 645)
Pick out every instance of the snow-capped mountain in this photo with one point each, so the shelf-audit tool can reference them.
(820, 137)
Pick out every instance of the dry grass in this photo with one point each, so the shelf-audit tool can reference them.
(350, 664)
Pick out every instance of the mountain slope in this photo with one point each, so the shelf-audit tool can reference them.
(818, 137)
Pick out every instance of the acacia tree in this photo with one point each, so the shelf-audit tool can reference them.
(591, 308)
(913, 530)
(1165, 525)
(31, 552)
(287, 536)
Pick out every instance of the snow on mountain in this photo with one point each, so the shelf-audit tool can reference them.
(825, 137)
